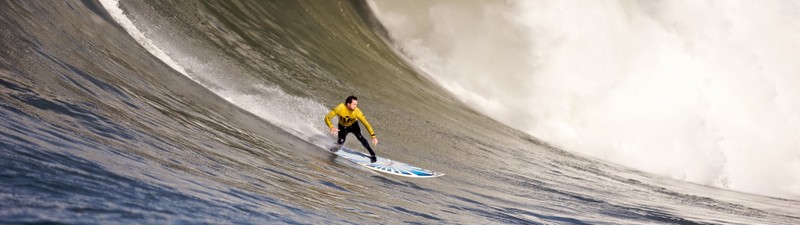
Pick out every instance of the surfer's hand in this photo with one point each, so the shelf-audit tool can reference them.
(334, 130)
(375, 141)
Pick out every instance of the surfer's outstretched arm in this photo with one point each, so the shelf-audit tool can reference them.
(369, 128)
(328, 118)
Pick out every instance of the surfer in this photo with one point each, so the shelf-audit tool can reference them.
(349, 115)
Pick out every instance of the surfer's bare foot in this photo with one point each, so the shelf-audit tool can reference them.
(373, 159)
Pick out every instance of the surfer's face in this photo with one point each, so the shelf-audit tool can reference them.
(352, 106)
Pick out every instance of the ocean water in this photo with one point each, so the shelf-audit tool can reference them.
(210, 112)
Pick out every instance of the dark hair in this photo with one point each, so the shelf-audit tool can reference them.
(350, 99)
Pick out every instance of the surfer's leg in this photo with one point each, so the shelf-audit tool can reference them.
(364, 142)
(356, 129)
(340, 140)
(342, 134)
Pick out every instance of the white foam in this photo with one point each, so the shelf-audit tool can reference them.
(702, 91)
(112, 7)
(300, 116)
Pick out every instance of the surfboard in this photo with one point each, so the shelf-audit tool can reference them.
(385, 165)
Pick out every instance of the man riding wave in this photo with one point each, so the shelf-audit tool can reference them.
(349, 116)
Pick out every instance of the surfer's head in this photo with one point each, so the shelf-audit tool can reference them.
(351, 102)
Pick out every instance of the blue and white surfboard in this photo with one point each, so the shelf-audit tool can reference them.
(386, 165)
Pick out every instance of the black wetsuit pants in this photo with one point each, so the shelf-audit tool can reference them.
(355, 129)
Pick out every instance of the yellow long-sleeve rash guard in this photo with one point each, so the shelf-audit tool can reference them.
(347, 117)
